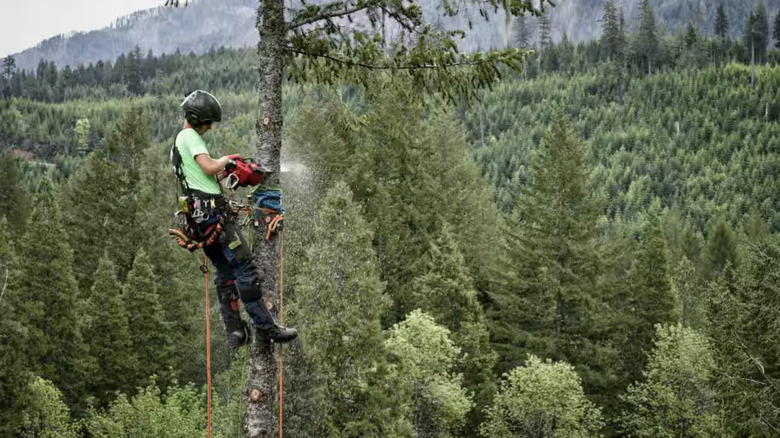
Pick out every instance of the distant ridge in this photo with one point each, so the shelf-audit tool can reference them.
(231, 23)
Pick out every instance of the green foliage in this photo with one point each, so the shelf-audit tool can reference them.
(410, 170)
(47, 416)
(613, 37)
(181, 413)
(542, 399)
(340, 300)
(425, 358)
(757, 32)
(693, 137)
(15, 376)
(646, 43)
(556, 256)
(107, 337)
(677, 395)
(647, 299)
(45, 299)
(721, 23)
(107, 188)
(149, 331)
(721, 248)
(776, 30)
(742, 314)
(689, 288)
(446, 292)
(522, 32)
(13, 197)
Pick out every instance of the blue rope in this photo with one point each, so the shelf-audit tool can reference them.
(269, 198)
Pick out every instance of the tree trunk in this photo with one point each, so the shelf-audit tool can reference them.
(752, 63)
(260, 390)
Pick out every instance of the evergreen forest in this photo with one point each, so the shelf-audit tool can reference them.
(588, 248)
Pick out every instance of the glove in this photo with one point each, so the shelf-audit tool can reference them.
(231, 166)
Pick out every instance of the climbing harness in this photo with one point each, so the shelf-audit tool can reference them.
(201, 217)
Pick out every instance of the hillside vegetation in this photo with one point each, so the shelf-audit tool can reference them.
(588, 249)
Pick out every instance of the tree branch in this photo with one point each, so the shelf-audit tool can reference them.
(5, 283)
(376, 67)
(758, 365)
(296, 23)
(768, 424)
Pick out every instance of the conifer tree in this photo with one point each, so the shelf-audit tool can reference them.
(133, 74)
(44, 296)
(649, 301)
(647, 47)
(521, 33)
(91, 189)
(721, 24)
(742, 319)
(690, 291)
(611, 31)
(340, 300)
(756, 228)
(107, 336)
(446, 292)
(107, 188)
(9, 67)
(757, 37)
(149, 331)
(776, 31)
(556, 253)
(15, 375)
(721, 247)
(13, 196)
(545, 33)
(676, 396)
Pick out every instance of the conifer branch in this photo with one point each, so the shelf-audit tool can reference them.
(5, 283)
(758, 366)
(379, 67)
(326, 13)
(768, 424)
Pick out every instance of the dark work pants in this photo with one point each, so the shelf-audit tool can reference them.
(237, 276)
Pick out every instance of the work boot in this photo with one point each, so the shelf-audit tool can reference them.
(279, 334)
(236, 329)
(239, 337)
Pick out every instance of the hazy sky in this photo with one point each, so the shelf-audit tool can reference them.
(28, 22)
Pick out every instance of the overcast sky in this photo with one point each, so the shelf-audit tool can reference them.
(24, 23)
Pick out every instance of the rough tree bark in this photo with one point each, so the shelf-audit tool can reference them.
(260, 391)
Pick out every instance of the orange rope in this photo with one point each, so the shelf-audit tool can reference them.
(208, 354)
(281, 321)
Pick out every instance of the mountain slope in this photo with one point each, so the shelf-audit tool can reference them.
(196, 28)
(231, 23)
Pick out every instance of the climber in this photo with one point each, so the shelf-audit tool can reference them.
(207, 212)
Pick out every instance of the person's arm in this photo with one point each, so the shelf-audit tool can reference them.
(209, 165)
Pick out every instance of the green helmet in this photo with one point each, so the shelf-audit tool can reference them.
(201, 107)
